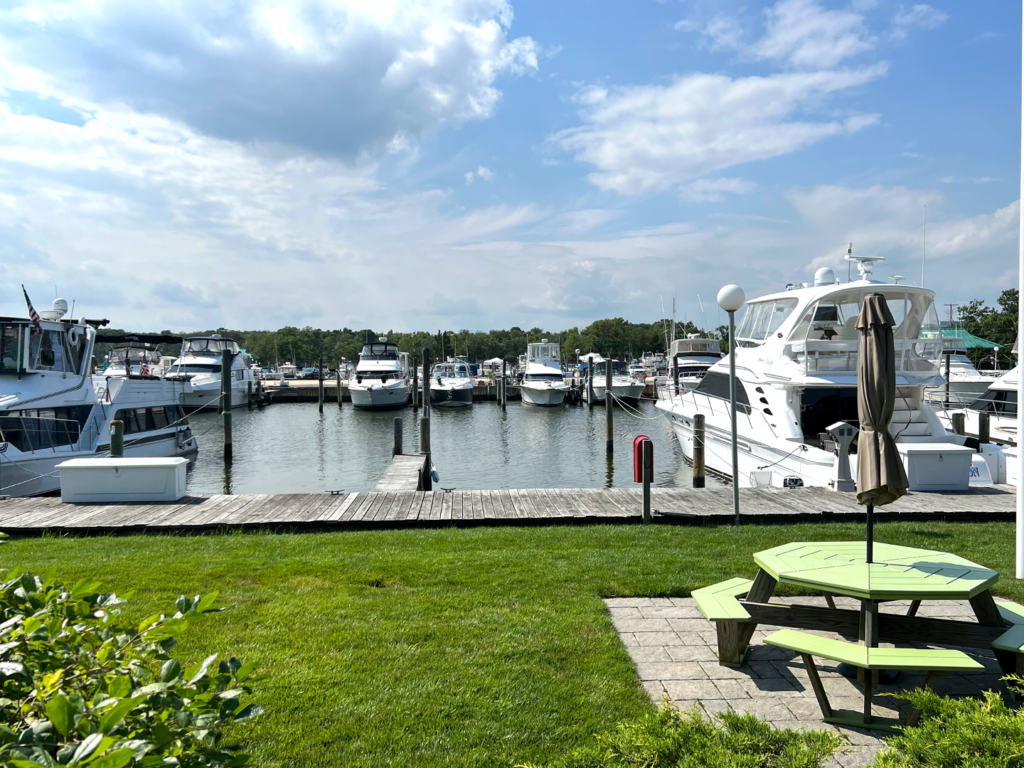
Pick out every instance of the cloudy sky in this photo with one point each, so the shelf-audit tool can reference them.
(480, 163)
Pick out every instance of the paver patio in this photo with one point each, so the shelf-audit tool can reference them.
(675, 651)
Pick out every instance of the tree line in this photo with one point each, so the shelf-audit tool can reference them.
(305, 347)
(998, 324)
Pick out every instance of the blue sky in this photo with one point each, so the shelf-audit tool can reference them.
(481, 163)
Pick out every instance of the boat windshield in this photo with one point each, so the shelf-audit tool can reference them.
(762, 319)
(544, 377)
(542, 352)
(619, 368)
(209, 347)
(12, 339)
(135, 354)
(450, 371)
(381, 351)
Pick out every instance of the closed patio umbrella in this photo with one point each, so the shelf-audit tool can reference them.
(881, 478)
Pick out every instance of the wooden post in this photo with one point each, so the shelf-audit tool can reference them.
(428, 481)
(415, 385)
(398, 437)
(957, 420)
(675, 373)
(984, 429)
(504, 384)
(648, 470)
(608, 428)
(116, 439)
(259, 393)
(320, 384)
(248, 387)
(698, 450)
(590, 384)
(338, 380)
(225, 378)
(426, 385)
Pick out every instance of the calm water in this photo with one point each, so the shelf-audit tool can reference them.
(291, 448)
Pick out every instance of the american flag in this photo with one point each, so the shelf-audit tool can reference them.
(32, 314)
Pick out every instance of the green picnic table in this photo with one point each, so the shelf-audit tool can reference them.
(897, 573)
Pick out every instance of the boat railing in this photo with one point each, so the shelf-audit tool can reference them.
(919, 357)
(34, 433)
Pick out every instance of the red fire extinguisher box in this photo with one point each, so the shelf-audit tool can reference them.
(638, 460)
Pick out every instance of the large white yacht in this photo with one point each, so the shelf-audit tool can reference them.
(200, 365)
(999, 401)
(52, 407)
(382, 377)
(451, 386)
(692, 356)
(796, 370)
(543, 382)
(966, 383)
(624, 386)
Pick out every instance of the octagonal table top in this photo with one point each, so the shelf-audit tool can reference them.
(897, 573)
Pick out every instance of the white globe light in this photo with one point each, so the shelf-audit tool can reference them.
(731, 298)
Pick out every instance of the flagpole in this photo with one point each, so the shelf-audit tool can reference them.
(1020, 327)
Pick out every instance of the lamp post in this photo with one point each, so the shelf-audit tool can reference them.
(731, 298)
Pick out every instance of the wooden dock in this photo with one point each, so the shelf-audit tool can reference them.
(396, 509)
(406, 472)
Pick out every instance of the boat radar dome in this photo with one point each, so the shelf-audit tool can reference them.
(824, 276)
(60, 308)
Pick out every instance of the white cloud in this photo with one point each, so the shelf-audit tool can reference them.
(343, 78)
(713, 190)
(946, 179)
(918, 16)
(658, 137)
(480, 173)
(805, 34)
(984, 180)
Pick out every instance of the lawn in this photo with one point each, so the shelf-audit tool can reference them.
(484, 646)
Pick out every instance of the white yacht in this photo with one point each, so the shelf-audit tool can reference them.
(624, 386)
(200, 365)
(451, 386)
(966, 383)
(999, 401)
(796, 370)
(382, 377)
(52, 407)
(543, 382)
(693, 356)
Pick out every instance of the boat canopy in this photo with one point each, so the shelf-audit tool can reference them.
(209, 346)
(969, 340)
(379, 350)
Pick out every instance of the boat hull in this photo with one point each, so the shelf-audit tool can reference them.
(545, 396)
(451, 397)
(379, 398)
(630, 392)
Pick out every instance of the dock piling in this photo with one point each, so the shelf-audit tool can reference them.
(504, 384)
(116, 439)
(225, 383)
(698, 450)
(320, 383)
(248, 400)
(608, 427)
(957, 422)
(428, 481)
(984, 429)
(426, 385)
(415, 385)
(590, 384)
(398, 437)
(338, 385)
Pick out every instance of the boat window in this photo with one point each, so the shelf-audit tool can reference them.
(33, 430)
(715, 384)
(999, 401)
(762, 319)
(12, 337)
(175, 414)
(48, 353)
(379, 352)
(159, 417)
(544, 377)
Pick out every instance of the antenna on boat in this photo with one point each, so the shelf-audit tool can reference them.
(849, 266)
(702, 313)
(896, 278)
(924, 243)
(864, 263)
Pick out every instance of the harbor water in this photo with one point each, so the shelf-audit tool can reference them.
(291, 448)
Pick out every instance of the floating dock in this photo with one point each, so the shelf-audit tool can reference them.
(398, 509)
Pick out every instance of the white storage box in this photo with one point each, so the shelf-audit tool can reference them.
(937, 466)
(122, 480)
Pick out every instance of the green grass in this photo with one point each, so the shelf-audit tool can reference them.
(443, 647)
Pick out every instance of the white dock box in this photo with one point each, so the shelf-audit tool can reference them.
(937, 466)
(122, 480)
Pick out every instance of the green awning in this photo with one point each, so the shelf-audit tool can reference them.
(970, 340)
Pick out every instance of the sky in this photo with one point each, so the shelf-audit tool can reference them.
(481, 164)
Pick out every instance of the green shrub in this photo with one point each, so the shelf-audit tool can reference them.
(79, 685)
(959, 733)
(691, 740)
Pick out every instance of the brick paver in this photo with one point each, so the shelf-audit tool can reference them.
(675, 651)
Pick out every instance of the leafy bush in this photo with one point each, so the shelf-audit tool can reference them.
(959, 733)
(691, 740)
(79, 685)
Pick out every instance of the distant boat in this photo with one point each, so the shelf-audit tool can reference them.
(543, 382)
(624, 386)
(382, 377)
(451, 386)
(692, 356)
(200, 364)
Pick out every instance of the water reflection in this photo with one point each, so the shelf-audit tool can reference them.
(294, 449)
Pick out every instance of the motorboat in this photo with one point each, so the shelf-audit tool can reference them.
(796, 372)
(999, 401)
(200, 364)
(624, 386)
(963, 382)
(451, 385)
(53, 408)
(692, 357)
(132, 359)
(543, 382)
(381, 378)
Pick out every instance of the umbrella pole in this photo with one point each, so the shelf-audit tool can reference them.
(871, 533)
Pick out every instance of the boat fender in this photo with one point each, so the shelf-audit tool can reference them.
(73, 336)
(434, 475)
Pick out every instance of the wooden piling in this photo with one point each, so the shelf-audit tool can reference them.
(957, 422)
(675, 374)
(248, 401)
(338, 385)
(415, 385)
(698, 450)
(259, 393)
(428, 481)
(590, 384)
(608, 427)
(116, 439)
(426, 385)
(984, 429)
(225, 380)
(397, 449)
(504, 384)
(648, 470)
(320, 384)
